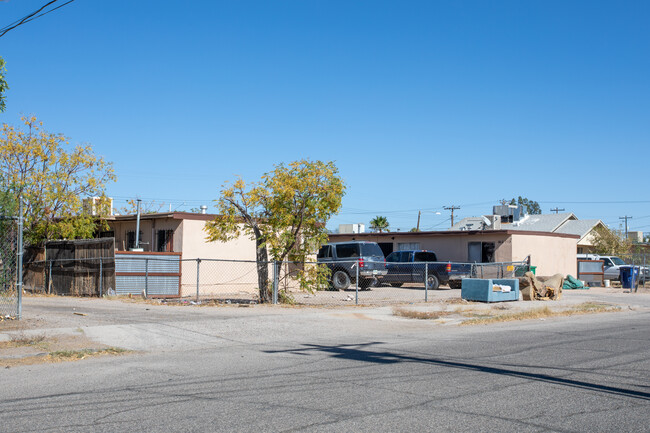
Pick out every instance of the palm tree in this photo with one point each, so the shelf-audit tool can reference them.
(379, 223)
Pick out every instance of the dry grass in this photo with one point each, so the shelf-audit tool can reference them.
(22, 340)
(539, 313)
(423, 315)
(75, 355)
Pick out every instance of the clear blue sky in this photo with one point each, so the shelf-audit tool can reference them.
(422, 104)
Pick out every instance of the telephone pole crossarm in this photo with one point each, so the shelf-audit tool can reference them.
(452, 208)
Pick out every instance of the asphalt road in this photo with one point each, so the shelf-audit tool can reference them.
(291, 370)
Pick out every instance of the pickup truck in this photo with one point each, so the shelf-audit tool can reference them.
(411, 266)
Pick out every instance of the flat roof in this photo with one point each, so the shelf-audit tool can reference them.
(454, 233)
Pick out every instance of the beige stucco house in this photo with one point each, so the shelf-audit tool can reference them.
(182, 232)
(551, 252)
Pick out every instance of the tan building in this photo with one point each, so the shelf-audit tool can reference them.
(182, 232)
(551, 252)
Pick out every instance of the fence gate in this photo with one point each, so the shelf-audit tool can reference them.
(10, 246)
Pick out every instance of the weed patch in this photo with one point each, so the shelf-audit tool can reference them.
(22, 341)
(74, 355)
(539, 313)
(423, 315)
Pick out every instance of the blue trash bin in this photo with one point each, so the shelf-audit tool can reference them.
(629, 276)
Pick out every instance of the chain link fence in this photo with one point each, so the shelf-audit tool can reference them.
(10, 258)
(238, 281)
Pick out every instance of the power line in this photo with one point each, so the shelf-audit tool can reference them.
(32, 16)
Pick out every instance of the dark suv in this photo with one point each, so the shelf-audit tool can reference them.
(342, 259)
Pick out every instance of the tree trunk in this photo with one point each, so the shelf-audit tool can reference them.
(262, 268)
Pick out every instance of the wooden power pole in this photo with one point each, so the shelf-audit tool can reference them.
(452, 208)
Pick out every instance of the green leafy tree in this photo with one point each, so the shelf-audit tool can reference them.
(532, 207)
(53, 179)
(606, 241)
(379, 224)
(285, 213)
(3, 85)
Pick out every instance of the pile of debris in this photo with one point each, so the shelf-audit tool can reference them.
(539, 288)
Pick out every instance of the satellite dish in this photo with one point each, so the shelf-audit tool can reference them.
(487, 222)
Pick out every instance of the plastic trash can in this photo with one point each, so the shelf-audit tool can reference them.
(629, 276)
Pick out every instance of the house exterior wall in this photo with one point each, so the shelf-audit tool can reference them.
(551, 254)
(216, 278)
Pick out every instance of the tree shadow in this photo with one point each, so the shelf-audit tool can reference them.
(365, 353)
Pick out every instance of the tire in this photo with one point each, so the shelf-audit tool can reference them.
(433, 282)
(368, 283)
(340, 280)
(455, 284)
(397, 284)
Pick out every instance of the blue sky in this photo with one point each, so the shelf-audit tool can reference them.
(422, 104)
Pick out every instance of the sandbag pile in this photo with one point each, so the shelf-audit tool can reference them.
(541, 289)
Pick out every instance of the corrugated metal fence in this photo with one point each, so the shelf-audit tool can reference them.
(150, 274)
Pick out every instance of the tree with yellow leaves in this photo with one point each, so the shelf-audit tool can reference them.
(285, 213)
(53, 179)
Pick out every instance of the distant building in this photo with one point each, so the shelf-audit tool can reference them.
(514, 218)
(352, 228)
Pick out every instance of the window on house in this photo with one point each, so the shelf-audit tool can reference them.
(408, 246)
(130, 239)
(109, 234)
(165, 240)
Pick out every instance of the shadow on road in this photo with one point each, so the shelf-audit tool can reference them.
(365, 353)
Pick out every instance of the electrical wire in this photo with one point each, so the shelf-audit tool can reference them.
(32, 16)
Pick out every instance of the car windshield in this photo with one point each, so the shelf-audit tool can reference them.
(617, 261)
(369, 250)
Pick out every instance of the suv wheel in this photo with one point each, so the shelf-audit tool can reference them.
(340, 280)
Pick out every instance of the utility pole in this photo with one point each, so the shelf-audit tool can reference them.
(451, 208)
(557, 210)
(625, 218)
(417, 229)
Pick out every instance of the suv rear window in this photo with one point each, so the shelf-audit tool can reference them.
(345, 251)
(369, 250)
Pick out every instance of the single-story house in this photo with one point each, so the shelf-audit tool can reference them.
(182, 232)
(566, 223)
(551, 252)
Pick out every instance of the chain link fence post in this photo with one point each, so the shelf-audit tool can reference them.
(198, 265)
(356, 286)
(426, 282)
(101, 278)
(146, 278)
(49, 277)
(276, 281)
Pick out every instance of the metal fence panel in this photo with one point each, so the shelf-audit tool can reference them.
(148, 274)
